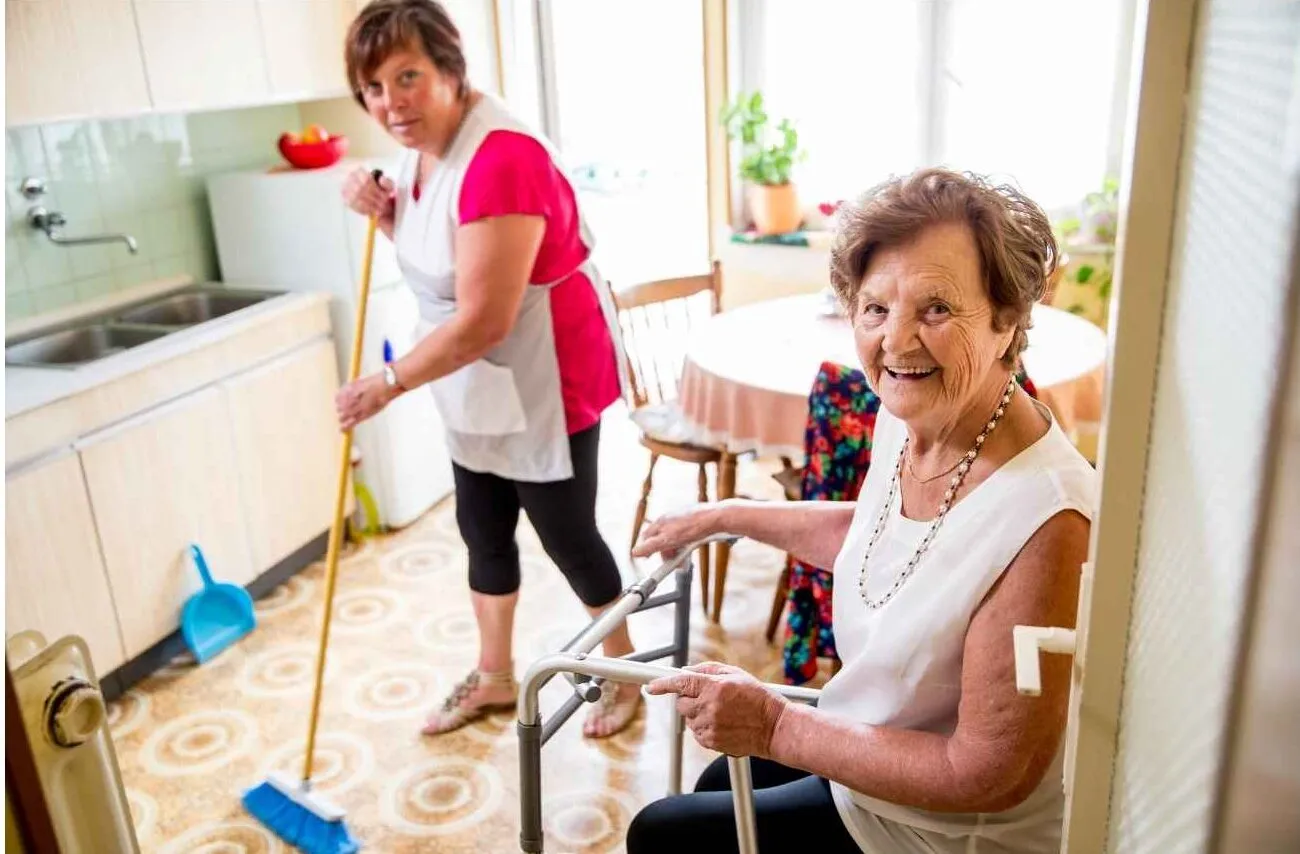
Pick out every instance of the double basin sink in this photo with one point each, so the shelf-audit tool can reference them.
(92, 338)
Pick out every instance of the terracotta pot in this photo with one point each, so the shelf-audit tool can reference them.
(775, 209)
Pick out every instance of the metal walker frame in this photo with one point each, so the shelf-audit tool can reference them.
(586, 673)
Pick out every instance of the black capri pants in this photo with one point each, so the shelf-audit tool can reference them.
(793, 810)
(563, 513)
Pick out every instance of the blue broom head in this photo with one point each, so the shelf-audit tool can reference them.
(304, 820)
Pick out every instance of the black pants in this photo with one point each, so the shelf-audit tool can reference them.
(563, 513)
(793, 810)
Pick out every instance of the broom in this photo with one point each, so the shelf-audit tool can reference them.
(287, 806)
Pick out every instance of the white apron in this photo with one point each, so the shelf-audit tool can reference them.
(504, 413)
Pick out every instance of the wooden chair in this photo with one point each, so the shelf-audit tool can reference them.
(656, 318)
(791, 479)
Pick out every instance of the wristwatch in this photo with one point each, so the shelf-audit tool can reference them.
(390, 378)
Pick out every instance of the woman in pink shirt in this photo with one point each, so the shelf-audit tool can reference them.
(518, 338)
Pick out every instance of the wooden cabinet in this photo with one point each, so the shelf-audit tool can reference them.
(80, 59)
(202, 54)
(287, 444)
(230, 442)
(304, 46)
(159, 482)
(72, 58)
(54, 574)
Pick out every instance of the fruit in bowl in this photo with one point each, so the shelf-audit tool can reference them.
(314, 148)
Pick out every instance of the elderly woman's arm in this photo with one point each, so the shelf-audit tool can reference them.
(1004, 742)
(811, 531)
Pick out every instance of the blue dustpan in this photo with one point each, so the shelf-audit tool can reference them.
(216, 616)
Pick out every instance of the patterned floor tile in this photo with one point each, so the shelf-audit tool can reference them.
(190, 739)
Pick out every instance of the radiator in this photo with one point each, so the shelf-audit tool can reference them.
(65, 718)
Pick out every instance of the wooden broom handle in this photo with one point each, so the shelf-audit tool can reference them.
(340, 496)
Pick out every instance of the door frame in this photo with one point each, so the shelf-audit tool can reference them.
(1163, 33)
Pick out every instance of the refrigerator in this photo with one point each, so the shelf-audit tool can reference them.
(291, 230)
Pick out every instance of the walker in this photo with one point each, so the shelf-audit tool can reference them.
(586, 674)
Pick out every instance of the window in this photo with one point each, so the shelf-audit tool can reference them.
(622, 97)
(1027, 93)
(1025, 90)
(848, 73)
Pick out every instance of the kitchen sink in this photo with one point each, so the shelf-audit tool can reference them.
(79, 345)
(96, 337)
(191, 307)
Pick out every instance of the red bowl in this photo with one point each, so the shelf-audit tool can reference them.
(313, 155)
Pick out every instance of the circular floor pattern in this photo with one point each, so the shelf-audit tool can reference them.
(343, 761)
(454, 629)
(286, 670)
(591, 821)
(236, 837)
(144, 814)
(126, 713)
(423, 561)
(395, 692)
(294, 593)
(551, 638)
(444, 796)
(198, 743)
(365, 610)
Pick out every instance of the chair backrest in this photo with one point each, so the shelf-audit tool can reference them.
(657, 319)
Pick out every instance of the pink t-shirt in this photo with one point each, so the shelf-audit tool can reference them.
(511, 173)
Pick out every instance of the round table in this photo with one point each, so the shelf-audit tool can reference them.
(748, 371)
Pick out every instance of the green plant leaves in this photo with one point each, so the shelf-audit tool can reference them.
(762, 161)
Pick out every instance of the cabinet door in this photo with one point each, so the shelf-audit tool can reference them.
(158, 483)
(54, 573)
(288, 444)
(71, 59)
(304, 47)
(202, 54)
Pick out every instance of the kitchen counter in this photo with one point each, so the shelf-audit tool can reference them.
(29, 388)
(220, 434)
(46, 407)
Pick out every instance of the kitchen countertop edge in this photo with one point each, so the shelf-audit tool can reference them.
(30, 388)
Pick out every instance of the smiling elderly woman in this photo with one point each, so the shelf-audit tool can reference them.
(974, 519)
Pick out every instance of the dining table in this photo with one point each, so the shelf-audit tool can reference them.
(747, 373)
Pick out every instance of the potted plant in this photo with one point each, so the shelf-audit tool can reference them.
(766, 163)
(1088, 252)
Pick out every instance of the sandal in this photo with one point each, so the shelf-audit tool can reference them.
(459, 709)
(614, 711)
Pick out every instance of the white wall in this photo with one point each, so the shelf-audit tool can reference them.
(1224, 325)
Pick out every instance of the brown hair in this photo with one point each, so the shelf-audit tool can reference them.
(384, 26)
(1018, 251)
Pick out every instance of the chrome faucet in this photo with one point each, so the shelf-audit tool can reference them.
(47, 221)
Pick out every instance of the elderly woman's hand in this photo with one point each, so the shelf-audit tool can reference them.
(726, 708)
(361, 400)
(669, 533)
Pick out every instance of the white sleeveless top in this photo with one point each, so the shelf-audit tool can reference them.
(504, 413)
(902, 663)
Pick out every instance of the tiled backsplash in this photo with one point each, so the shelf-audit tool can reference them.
(141, 176)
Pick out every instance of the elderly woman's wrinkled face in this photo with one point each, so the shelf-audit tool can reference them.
(924, 326)
(411, 98)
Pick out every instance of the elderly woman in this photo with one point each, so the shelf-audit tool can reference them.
(517, 333)
(974, 519)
